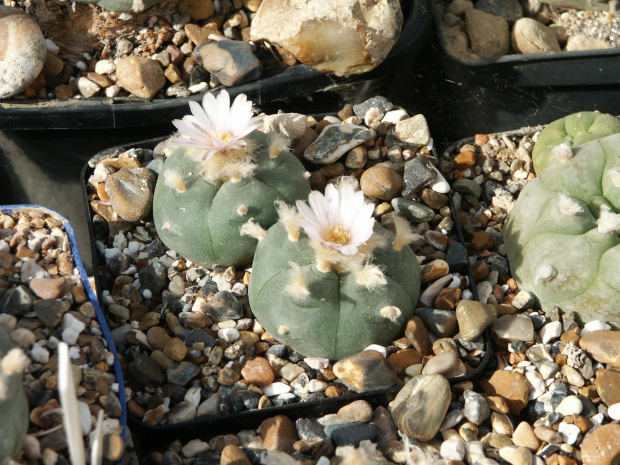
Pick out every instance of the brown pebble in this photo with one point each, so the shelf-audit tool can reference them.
(157, 337)
(219, 443)
(258, 371)
(417, 334)
(481, 139)
(447, 299)
(278, 433)
(465, 160)
(175, 349)
(333, 391)
(233, 455)
(482, 240)
(381, 182)
(480, 270)
(402, 359)
(607, 384)
(510, 385)
(434, 270)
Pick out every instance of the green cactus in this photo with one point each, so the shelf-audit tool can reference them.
(123, 5)
(14, 411)
(203, 222)
(573, 130)
(339, 317)
(562, 234)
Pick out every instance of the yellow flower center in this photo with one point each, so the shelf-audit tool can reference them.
(225, 138)
(337, 234)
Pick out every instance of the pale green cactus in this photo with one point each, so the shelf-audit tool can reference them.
(562, 234)
(571, 131)
(211, 222)
(326, 304)
(13, 402)
(127, 6)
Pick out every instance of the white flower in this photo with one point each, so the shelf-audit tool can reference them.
(217, 126)
(340, 220)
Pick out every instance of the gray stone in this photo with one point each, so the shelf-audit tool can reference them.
(351, 434)
(17, 301)
(22, 52)
(378, 102)
(457, 258)
(143, 370)
(183, 411)
(424, 397)
(131, 192)
(413, 130)
(418, 173)
(510, 10)
(476, 408)
(413, 210)
(467, 187)
(334, 141)
(232, 61)
(441, 323)
(50, 311)
(210, 407)
(225, 306)
(309, 429)
(488, 34)
(153, 277)
(182, 373)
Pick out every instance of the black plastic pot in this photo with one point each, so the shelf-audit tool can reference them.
(92, 297)
(299, 81)
(582, 68)
(147, 437)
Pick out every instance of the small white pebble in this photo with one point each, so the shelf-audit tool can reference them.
(594, 325)
(614, 411)
(81, 65)
(38, 354)
(376, 347)
(570, 433)
(275, 389)
(105, 67)
(551, 331)
(51, 46)
(147, 294)
(112, 91)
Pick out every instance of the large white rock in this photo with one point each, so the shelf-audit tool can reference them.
(341, 37)
(22, 51)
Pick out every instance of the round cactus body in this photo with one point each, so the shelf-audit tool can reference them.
(562, 234)
(339, 317)
(572, 130)
(123, 5)
(202, 220)
(14, 411)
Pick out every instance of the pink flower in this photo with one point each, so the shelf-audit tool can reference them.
(217, 126)
(340, 220)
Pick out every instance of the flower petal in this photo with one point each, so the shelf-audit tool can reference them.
(318, 204)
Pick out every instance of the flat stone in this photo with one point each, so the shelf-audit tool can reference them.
(334, 141)
(510, 385)
(412, 210)
(351, 434)
(309, 429)
(476, 408)
(181, 412)
(413, 130)
(378, 102)
(441, 323)
(142, 77)
(17, 301)
(145, 371)
(513, 328)
(581, 42)
(381, 182)
(358, 411)
(457, 258)
(22, 54)
(225, 306)
(258, 371)
(425, 396)
(607, 384)
(602, 445)
(488, 34)
(232, 61)
(365, 371)
(531, 36)
(51, 311)
(473, 317)
(418, 173)
(131, 192)
(210, 407)
(447, 364)
(182, 373)
(52, 288)
(467, 187)
(603, 346)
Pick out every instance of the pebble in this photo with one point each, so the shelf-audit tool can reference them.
(381, 182)
(234, 455)
(196, 447)
(412, 210)
(453, 449)
(232, 62)
(516, 455)
(531, 36)
(351, 434)
(513, 328)
(24, 52)
(524, 436)
(142, 77)
(425, 396)
(413, 130)
(131, 192)
(258, 371)
(418, 173)
(365, 371)
(278, 433)
(551, 331)
(488, 34)
(476, 408)
(473, 318)
(446, 364)
(603, 346)
(510, 385)
(607, 384)
(417, 334)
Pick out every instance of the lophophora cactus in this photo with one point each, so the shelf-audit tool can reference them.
(562, 234)
(571, 131)
(13, 402)
(341, 284)
(123, 5)
(212, 199)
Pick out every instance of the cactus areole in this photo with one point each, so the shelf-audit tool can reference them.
(325, 303)
(562, 234)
